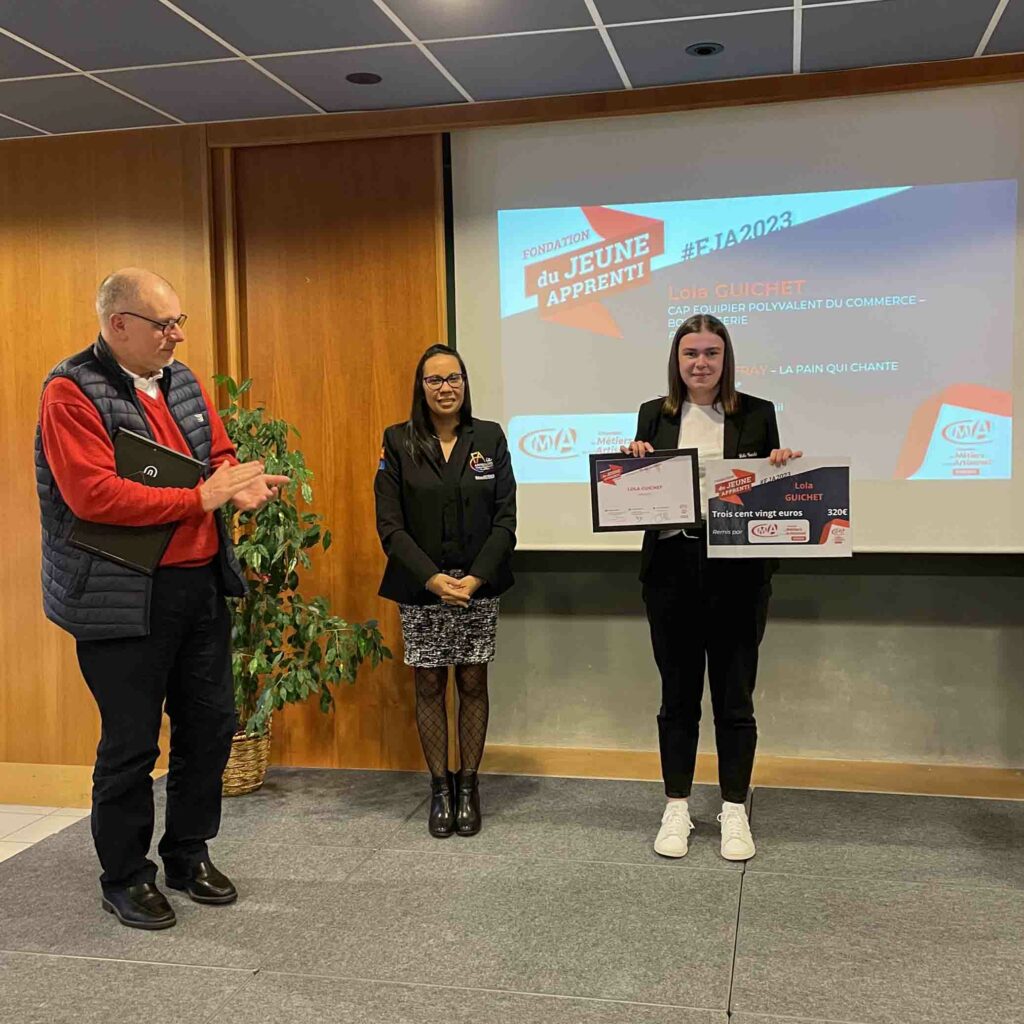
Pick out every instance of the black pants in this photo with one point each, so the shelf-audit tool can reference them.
(185, 662)
(706, 612)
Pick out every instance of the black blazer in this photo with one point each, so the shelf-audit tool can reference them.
(750, 433)
(476, 489)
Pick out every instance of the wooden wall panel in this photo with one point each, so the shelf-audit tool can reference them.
(341, 288)
(71, 210)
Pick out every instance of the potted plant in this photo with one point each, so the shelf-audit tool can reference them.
(285, 648)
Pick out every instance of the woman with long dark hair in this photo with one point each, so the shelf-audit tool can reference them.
(446, 517)
(705, 612)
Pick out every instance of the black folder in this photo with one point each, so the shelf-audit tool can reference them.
(138, 547)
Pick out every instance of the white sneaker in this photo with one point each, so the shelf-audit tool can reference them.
(737, 842)
(674, 835)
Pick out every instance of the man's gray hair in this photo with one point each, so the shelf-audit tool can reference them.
(120, 291)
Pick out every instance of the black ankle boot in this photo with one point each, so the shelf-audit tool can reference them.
(467, 811)
(441, 821)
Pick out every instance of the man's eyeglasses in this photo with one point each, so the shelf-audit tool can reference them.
(162, 325)
(453, 380)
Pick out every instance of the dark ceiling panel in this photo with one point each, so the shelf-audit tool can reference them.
(446, 20)
(520, 48)
(273, 26)
(13, 130)
(225, 91)
(74, 104)
(536, 65)
(108, 34)
(758, 44)
(896, 32)
(17, 61)
(1009, 34)
(613, 11)
(408, 78)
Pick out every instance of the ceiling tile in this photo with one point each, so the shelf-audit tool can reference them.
(74, 104)
(895, 32)
(1009, 34)
(17, 60)
(13, 130)
(225, 91)
(409, 79)
(449, 20)
(756, 44)
(108, 34)
(613, 11)
(273, 26)
(537, 65)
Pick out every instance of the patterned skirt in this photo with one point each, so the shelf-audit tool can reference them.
(435, 635)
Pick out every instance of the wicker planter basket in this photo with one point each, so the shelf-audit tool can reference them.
(247, 764)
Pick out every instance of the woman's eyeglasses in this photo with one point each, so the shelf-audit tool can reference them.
(453, 380)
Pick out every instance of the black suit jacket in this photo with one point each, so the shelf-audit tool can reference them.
(750, 433)
(476, 488)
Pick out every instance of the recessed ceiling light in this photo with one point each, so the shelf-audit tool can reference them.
(704, 49)
(362, 78)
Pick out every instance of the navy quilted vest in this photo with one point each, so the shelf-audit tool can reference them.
(91, 597)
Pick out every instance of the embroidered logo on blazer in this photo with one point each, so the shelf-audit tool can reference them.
(383, 463)
(479, 463)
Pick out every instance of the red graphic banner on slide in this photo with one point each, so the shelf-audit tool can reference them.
(569, 287)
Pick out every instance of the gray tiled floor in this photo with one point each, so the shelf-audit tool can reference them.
(565, 928)
(854, 949)
(65, 990)
(906, 838)
(858, 909)
(577, 819)
(288, 999)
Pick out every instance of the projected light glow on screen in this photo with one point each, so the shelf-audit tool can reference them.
(880, 322)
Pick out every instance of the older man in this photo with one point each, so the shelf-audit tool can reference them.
(146, 642)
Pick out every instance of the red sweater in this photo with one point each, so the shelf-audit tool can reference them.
(81, 457)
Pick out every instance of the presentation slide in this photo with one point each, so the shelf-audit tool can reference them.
(879, 320)
(861, 250)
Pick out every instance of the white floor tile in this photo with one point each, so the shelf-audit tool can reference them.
(74, 813)
(25, 809)
(39, 829)
(10, 822)
(10, 849)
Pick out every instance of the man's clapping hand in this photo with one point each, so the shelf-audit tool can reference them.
(246, 484)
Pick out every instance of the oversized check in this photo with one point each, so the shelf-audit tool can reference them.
(757, 510)
(659, 491)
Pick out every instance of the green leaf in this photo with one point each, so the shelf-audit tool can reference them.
(284, 648)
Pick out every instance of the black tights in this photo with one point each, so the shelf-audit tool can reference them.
(432, 717)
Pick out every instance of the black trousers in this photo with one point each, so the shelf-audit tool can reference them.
(185, 663)
(706, 613)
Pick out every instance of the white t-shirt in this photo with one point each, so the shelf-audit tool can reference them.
(701, 427)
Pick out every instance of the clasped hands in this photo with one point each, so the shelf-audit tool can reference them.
(454, 591)
(778, 456)
(245, 484)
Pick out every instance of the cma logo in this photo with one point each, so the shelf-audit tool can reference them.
(765, 530)
(549, 444)
(973, 431)
(150, 471)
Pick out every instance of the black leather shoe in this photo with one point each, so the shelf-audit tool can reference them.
(205, 885)
(140, 906)
(441, 820)
(467, 806)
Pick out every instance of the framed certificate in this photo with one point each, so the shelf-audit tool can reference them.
(657, 492)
